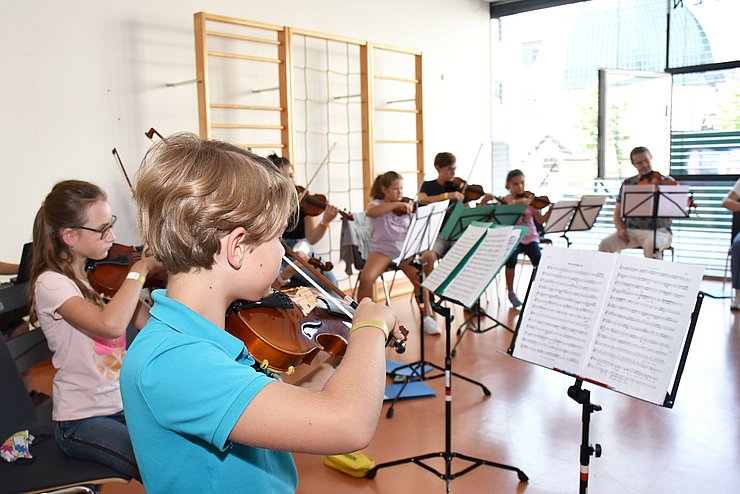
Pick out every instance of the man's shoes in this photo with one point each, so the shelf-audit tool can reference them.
(430, 325)
(514, 300)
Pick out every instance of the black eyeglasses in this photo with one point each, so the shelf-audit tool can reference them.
(104, 231)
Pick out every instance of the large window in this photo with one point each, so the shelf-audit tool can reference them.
(545, 104)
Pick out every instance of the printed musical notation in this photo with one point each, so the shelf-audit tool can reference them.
(482, 266)
(612, 319)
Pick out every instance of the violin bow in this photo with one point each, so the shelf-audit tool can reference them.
(123, 169)
(313, 177)
(475, 162)
(152, 132)
(399, 345)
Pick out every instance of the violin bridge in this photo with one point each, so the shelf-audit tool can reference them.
(304, 299)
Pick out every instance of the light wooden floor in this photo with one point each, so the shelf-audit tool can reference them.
(530, 422)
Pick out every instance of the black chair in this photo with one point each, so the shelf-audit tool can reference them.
(51, 470)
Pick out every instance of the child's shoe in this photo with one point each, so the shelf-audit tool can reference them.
(514, 300)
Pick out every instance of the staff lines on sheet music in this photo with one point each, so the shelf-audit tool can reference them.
(591, 278)
(549, 353)
(625, 375)
(550, 297)
(568, 313)
(636, 340)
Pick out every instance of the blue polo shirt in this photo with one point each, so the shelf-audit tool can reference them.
(185, 383)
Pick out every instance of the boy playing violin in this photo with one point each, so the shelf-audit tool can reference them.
(438, 190)
(201, 418)
(638, 232)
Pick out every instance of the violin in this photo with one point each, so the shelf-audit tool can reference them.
(656, 178)
(315, 204)
(401, 210)
(471, 192)
(289, 328)
(537, 202)
(107, 275)
(321, 266)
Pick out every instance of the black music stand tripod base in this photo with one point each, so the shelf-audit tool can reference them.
(448, 455)
(418, 368)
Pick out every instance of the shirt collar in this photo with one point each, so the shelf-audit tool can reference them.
(186, 321)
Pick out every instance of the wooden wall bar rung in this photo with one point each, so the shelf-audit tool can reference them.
(396, 79)
(330, 37)
(387, 141)
(246, 107)
(263, 146)
(396, 49)
(246, 126)
(241, 22)
(253, 39)
(244, 57)
(395, 110)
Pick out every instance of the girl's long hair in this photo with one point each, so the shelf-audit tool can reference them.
(384, 180)
(65, 207)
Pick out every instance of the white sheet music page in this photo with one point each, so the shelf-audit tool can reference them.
(470, 282)
(454, 257)
(562, 212)
(563, 307)
(423, 230)
(641, 334)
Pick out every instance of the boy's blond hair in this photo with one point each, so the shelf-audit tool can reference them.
(192, 192)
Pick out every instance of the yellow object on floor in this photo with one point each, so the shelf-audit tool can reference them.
(353, 464)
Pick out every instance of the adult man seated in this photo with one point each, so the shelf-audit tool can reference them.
(638, 232)
(732, 202)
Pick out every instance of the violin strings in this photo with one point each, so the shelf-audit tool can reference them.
(317, 286)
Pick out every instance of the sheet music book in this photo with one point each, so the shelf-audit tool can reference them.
(574, 215)
(461, 217)
(617, 321)
(590, 207)
(423, 230)
(562, 213)
(639, 201)
(473, 261)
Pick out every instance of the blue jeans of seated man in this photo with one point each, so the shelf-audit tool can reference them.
(735, 261)
(531, 250)
(103, 439)
(298, 279)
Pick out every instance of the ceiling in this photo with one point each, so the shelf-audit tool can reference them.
(501, 8)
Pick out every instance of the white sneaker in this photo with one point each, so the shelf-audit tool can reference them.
(430, 326)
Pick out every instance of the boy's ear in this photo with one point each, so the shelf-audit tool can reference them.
(235, 248)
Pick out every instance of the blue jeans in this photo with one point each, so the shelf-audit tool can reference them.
(735, 261)
(103, 439)
(531, 250)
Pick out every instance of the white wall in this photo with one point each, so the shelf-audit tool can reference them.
(83, 76)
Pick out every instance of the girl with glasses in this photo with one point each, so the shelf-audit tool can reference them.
(87, 336)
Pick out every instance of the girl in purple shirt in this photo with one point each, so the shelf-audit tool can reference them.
(389, 231)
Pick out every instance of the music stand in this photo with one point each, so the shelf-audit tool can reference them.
(448, 455)
(574, 216)
(655, 202)
(421, 235)
(459, 220)
(542, 344)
